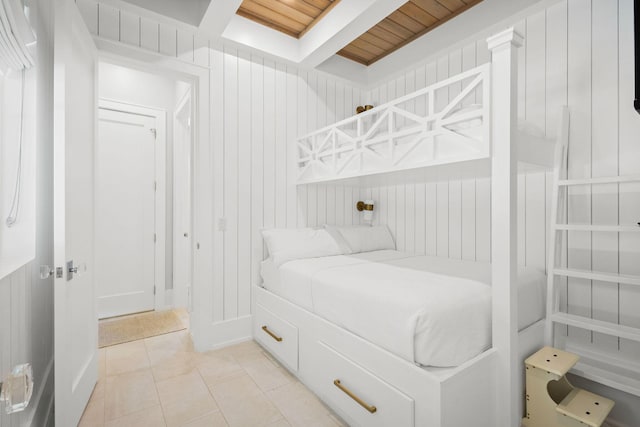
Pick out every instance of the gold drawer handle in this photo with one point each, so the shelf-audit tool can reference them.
(349, 393)
(271, 334)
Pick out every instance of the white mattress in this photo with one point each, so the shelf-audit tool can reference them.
(429, 310)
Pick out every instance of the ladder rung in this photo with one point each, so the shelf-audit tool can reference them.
(613, 228)
(594, 325)
(602, 180)
(595, 275)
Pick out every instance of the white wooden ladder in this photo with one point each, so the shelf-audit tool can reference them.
(605, 372)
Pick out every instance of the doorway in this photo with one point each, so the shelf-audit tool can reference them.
(129, 230)
(143, 209)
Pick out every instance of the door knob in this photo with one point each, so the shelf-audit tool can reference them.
(46, 271)
(16, 390)
(71, 270)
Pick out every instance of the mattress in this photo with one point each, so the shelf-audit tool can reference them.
(431, 311)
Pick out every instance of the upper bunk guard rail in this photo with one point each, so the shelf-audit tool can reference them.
(446, 122)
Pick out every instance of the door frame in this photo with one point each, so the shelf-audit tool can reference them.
(203, 242)
(181, 293)
(160, 207)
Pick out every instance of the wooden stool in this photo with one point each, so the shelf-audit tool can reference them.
(552, 401)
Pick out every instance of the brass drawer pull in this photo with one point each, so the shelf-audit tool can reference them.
(349, 393)
(271, 334)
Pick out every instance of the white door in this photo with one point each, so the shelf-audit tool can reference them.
(182, 184)
(125, 212)
(74, 125)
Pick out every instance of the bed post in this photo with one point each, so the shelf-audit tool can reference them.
(504, 230)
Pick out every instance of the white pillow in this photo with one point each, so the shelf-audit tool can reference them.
(289, 244)
(362, 238)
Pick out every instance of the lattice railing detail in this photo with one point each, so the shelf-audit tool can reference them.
(444, 123)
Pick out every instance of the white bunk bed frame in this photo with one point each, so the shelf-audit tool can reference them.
(365, 384)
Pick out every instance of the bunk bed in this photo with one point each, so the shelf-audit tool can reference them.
(364, 383)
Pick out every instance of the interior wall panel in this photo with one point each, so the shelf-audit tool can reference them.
(629, 201)
(576, 53)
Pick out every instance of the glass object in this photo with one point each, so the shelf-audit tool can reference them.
(17, 388)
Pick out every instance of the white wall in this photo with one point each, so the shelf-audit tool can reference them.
(26, 301)
(17, 243)
(578, 53)
(118, 83)
(259, 107)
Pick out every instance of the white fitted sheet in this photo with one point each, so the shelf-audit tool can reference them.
(429, 310)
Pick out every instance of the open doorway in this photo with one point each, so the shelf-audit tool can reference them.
(143, 204)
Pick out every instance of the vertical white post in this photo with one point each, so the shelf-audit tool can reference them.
(504, 230)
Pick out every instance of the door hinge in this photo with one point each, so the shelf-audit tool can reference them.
(155, 237)
(154, 289)
(155, 185)
(154, 132)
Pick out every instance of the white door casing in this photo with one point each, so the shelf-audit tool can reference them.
(200, 324)
(182, 203)
(130, 209)
(74, 129)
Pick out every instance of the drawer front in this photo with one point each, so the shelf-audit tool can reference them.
(277, 335)
(365, 398)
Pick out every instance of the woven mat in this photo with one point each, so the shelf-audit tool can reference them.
(123, 329)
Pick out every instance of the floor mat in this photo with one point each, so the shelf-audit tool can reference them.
(133, 327)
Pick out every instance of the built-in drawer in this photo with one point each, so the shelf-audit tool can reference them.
(277, 335)
(365, 398)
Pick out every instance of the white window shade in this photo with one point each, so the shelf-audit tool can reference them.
(16, 36)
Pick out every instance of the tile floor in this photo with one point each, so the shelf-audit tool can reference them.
(162, 381)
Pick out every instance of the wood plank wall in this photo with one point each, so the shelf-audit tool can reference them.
(577, 52)
(26, 301)
(266, 104)
(26, 336)
(260, 106)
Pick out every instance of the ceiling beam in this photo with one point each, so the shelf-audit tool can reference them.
(346, 22)
(218, 16)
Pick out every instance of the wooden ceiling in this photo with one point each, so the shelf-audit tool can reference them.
(292, 17)
(412, 20)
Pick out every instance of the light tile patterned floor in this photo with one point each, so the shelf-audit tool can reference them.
(162, 381)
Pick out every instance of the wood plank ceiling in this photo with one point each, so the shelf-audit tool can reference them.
(412, 20)
(292, 17)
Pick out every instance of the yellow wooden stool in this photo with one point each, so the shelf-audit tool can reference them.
(552, 401)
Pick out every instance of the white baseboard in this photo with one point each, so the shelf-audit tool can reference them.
(222, 334)
(168, 298)
(614, 423)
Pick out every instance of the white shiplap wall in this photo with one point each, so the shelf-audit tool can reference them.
(577, 53)
(26, 302)
(448, 214)
(26, 336)
(264, 105)
(258, 107)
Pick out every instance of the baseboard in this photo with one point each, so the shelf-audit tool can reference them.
(222, 334)
(42, 402)
(614, 423)
(168, 298)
